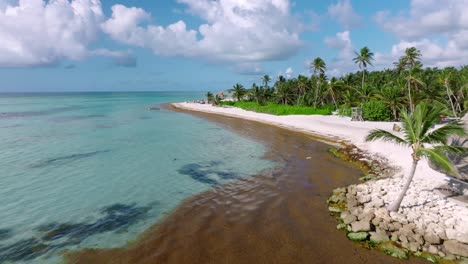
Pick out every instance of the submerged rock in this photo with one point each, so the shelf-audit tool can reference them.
(391, 249)
(358, 236)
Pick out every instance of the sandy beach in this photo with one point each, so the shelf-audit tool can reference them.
(430, 211)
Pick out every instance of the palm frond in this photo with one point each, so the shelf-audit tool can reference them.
(457, 150)
(442, 134)
(408, 126)
(381, 134)
(438, 157)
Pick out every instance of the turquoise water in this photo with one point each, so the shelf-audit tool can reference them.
(96, 169)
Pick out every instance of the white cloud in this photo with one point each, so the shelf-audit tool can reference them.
(233, 31)
(34, 33)
(343, 62)
(344, 13)
(37, 33)
(426, 18)
(288, 73)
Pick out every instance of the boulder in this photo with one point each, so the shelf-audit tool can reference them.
(341, 226)
(456, 248)
(360, 226)
(358, 236)
(432, 238)
(348, 219)
(378, 236)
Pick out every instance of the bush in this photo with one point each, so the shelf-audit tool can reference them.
(376, 111)
(344, 111)
(279, 109)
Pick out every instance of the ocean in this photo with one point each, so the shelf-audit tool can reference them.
(94, 170)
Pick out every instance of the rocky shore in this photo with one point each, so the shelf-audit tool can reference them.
(428, 224)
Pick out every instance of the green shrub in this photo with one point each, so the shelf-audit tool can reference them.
(376, 111)
(344, 111)
(279, 109)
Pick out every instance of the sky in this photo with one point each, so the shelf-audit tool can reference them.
(209, 45)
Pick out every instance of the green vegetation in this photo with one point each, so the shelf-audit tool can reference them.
(279, 109)
(403, 86)
(419, 136)
(375, 111)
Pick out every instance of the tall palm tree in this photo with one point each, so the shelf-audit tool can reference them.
(266, 80)
(238, 91)
(302, 82)
(209, 97)
(363, 58)
(409, 61)
(319, 67)
(257, 93)
(283, 93)
(445, 80)
(418, 135)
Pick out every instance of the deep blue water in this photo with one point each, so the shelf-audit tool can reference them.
(97, 169)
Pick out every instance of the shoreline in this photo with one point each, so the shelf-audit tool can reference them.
(277, 217)
(440, 220)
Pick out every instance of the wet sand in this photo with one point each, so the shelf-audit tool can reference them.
(277, 217)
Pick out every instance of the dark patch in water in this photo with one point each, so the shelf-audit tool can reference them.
(202, 172)
(54, 236)
(5, 234)
(12, 115)
(116, 218)
(67, 159)
(26, 249)
(62, 119)
(145, 117)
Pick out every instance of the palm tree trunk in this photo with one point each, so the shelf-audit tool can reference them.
(409, 95)
(396, 204)
(316, 93)
(363, 72)
(450, 99)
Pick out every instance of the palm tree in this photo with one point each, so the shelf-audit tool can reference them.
(266, 79)
(238, 91)
(301, 88)
(418, 136)
(283, 93)
(391, 96)
(445, 79)
(319, 67)
(363, 58)
(257, 93)
(410, 60)
(209, 97)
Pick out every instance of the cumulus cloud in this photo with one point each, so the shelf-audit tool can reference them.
(344, 14)
(438, 28)
(342, 63)
(426, 18)
(37, 33)
(34, 32)
(232, 31)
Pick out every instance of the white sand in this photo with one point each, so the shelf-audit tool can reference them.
(422, 199)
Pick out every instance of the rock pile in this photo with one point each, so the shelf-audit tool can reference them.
(427, 224)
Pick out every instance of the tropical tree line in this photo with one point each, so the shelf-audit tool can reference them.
(402, 86)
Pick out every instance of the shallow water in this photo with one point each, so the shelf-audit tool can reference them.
(94, 170)
(279, 216)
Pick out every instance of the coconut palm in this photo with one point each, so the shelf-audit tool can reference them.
(391, 96)
(257, 93)
(445, 79)
(238, 91)
(209, 97)
(410, 60)
(363, 58)
(266, 80)
(425, 143)
(318, 66)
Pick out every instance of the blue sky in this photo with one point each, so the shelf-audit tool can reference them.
(92, 45)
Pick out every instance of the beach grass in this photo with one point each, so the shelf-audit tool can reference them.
(279, 109)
